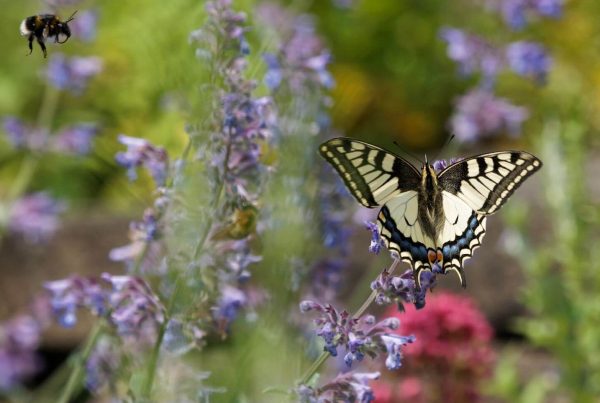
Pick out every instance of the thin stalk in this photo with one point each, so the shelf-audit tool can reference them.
(77, 374)
(324, 355)
(151, 373)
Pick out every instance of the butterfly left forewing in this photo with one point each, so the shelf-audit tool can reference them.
(371, 174)
(486, 181)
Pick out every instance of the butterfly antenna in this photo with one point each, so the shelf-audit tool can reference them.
(71, 17)
(413, 156)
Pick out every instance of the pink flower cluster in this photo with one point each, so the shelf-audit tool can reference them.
(452, 353)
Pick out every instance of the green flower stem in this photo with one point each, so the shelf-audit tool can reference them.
(151, 373)
(80, 359)
(324, 355)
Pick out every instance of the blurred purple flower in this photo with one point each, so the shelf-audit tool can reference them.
(232, 299)
(128, 303)
(35, 216)
(15, 130)
(72, 74)
(141, 152)
(358, 336)
(19, 340)
(346, 387)
(440, 165)
(302, 59)
(376, 242)
(134, 309)
(401, 289)
(83, 26)
(529, 59)
(516, 13)
(68, 295)
(102, 365)
(479, 114)
(76, 139)
(473, 54)
(23, 136)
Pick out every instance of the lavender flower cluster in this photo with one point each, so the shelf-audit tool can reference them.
(358, 336)
(127, 302)
(242, 136)
(346, 387)
(479, 113)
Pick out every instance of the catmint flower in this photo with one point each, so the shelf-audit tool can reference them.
(232, 299)
(302, 60)
(23, 136)
(35, 216)
(347, 387)
(102, 364)
(473, 54)
(480, 114)
(376, 242)
(15, 130)
(134, 308)
(141, 152)
(517, 12)
(67, 295)
(72, 74)
(393, 345)
(357, 336)
(402, 289)
(529, 59)
(76, 139)
(19, 339)
(84, 25)
(440, 165)
(144, 236)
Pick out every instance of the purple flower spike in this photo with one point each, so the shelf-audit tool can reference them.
(141, 152)
(529, 59)
(76, 139)
(134, 308)
(516, 13)
(440, 165)
(231, 301)
(19, 338)
(67, 295)
(473, 54)
(347, 387)
(72, 74)
(83, 27)
(376, 242)
(479, 114)
(357, 336)
(393, 345)
(35, 216)
(401, 289)
(16, 131)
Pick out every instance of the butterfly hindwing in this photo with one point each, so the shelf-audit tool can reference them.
(402, 233)
(372, 175)
(486, 181)
(462, 233)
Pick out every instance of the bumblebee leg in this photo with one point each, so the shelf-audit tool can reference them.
(43, 46)
(30, 44)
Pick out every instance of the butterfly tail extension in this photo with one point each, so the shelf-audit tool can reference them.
(457, 251)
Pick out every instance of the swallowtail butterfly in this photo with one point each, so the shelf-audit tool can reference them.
(429, 218)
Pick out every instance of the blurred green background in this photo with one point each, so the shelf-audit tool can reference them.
(394, 82)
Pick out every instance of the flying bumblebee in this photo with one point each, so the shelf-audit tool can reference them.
(45, 26)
